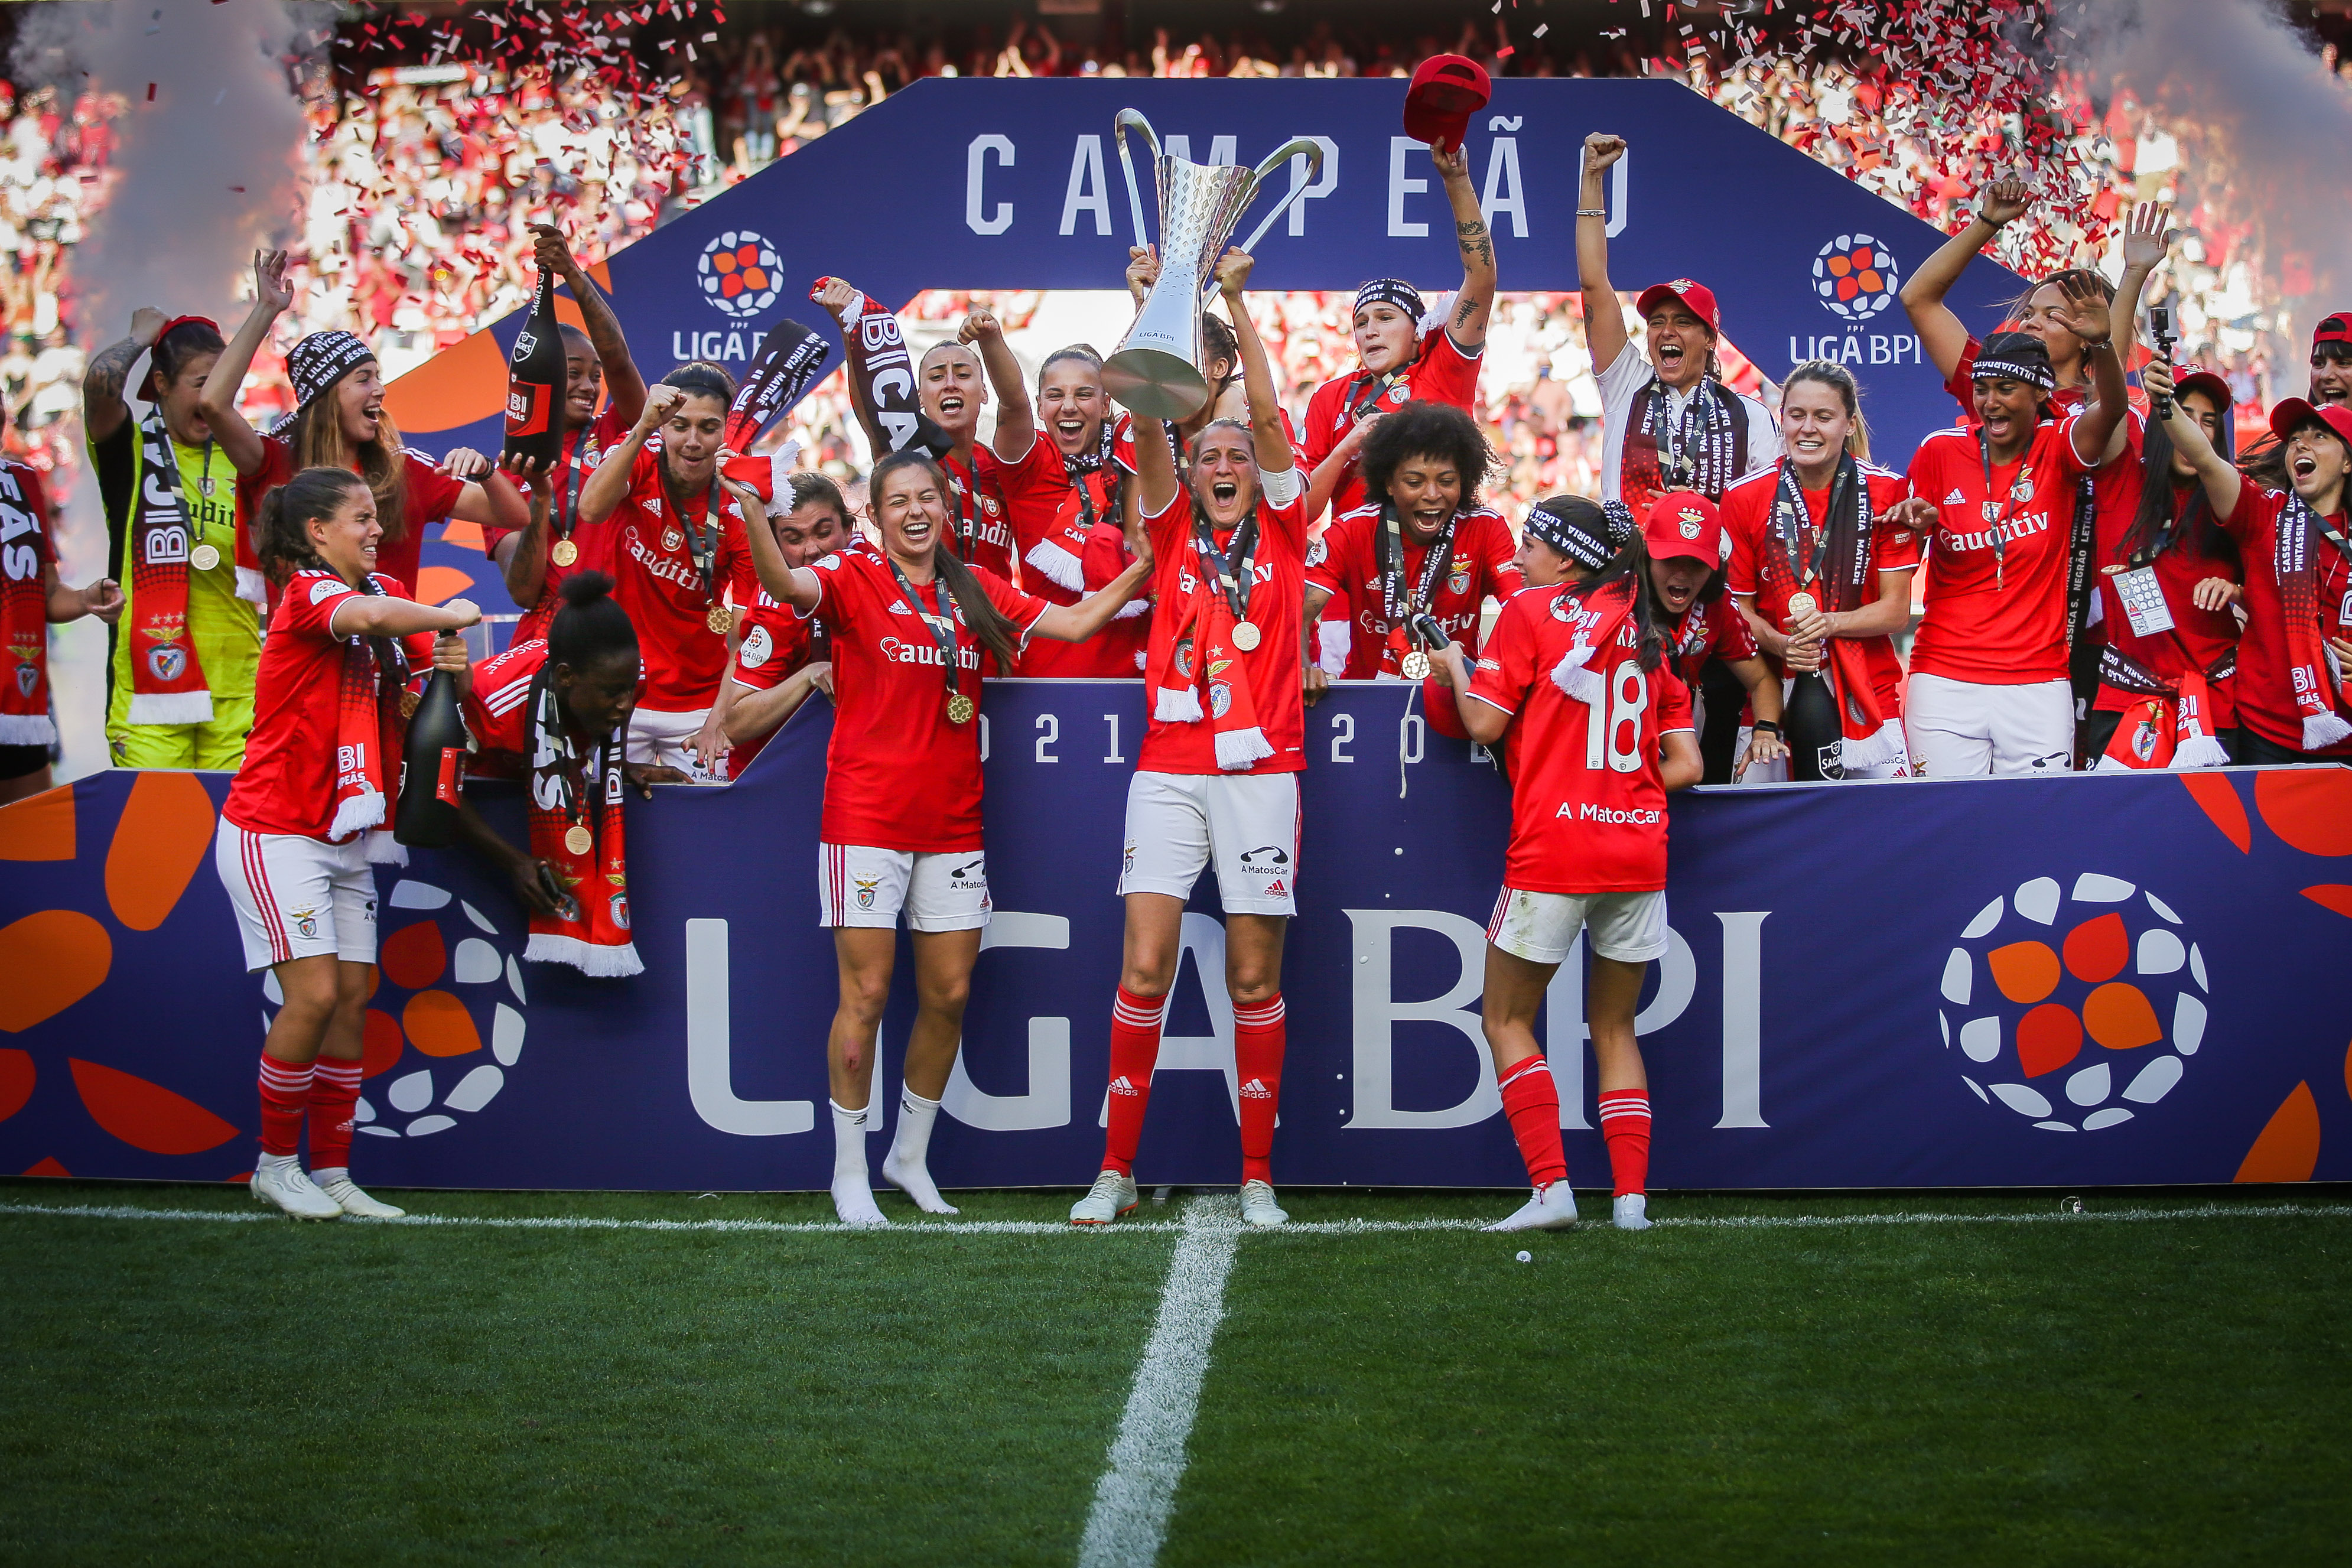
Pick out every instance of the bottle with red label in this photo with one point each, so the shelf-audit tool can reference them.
(432, 764)
(535, 387)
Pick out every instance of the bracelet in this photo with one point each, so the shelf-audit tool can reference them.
(1593, 212)
(1767, 726)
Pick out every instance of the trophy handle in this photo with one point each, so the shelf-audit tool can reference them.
(1313, 149)
(1127, 117)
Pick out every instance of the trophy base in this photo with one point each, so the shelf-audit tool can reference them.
(1153, 384)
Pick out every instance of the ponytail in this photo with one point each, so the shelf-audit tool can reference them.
(281, 537)
(1631, 562)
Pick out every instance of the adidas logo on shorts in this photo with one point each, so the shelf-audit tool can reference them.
(1120, 1084)
(1255, 1089)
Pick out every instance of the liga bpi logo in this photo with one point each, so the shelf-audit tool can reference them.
(2077, 1007)
(1854, 277)
(740, 273)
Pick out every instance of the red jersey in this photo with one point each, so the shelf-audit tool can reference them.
(1997, 620)
(1747, 511)
(1106, 557)
(581, 451)
(650, 557)
(1051, 515)
(2265, 678)
(1712, 629)
(899, 775)
(1276, 601)
(288, 781)
(976, 504)
(426, 496)
(1481, 563)
(1587, 797)
(25, 551)
(497, 711)
(772, 644)
(1441, 374)
(2197, 637)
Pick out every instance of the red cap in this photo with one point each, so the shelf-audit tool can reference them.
(1446, 90)
(2294, 412)
(2190, 378)
(1697, 296)
(1683, 522)
(2335, 328)
(147, 383)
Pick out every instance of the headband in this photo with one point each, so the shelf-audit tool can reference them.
(2026, 370)
(319, 360)
(1571, 538)
(1391, 292)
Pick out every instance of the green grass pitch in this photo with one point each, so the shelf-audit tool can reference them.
(2091, 1389)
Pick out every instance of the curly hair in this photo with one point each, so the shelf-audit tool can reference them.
(1436, 430)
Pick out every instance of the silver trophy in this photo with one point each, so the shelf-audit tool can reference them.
(1158, 370)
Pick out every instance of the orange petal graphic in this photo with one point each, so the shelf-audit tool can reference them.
(413, 957)
(147, 1115)
(48, 1168)
(439, 1026)
(2220, 803)
(165, 831)
(17, 1076)
(380, 1043)
(55, 958)
(2310, 808)
(460, 384)
(40, 828)
(2098, 949)
(2120, 1018)
(2025, 970)
(2331, 896)
(437, 583)
(463, 534)
(2047, 1039)
(2288, 1148)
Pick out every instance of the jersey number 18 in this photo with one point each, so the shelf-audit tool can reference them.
(1619, 708)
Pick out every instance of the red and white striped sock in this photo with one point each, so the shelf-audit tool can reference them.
(284, 1094)
(1532, 1100)
(1625, 1125)
(334, 1090)
(1134, 1051)
(1259, 1035)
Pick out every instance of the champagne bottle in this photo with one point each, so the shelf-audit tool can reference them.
(535, 377)
(432, 769)
(1810, 722)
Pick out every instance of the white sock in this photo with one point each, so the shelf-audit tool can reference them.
(849, 1139)
(277, 1162)
(904, 1166)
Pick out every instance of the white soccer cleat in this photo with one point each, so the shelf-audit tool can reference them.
(1111, 1196)
(1551, 1208)
(1632, 1212)
(348, 1197)
(280, 1178)
(914, 1179)
(853, 1203)
(1258, 1207)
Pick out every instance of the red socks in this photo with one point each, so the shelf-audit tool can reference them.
(285, 1091)
(1134, 1051)
(1531, 1101)
(334, 1089)
(1259, 1034)
(1626, 1124)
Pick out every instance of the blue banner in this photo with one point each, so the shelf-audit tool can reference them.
(2090, 979)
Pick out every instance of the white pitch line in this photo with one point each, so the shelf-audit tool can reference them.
(1132, 1499)
(1832, 1222)
(569, 1221)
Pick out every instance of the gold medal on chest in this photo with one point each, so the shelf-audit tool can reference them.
(1801, 605)
(566, 553)
(204, 558)
(1245, 636)
(578, 840)
(720, 620)
(959, 709)
(1415, 665)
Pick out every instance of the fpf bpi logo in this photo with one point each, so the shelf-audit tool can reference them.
(738, 272)
(1854, 277)
(2075, 1006)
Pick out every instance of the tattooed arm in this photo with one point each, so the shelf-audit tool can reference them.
(1467, 324)
(103, 407)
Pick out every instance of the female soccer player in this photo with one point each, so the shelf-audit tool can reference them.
(1989, 690)
(901, 830)
(1403, 356)
(1575, 682)
(666, 525)
(1824, 526)
(2292, 702)
(181, 685)
(1216, 780)
(1057, 490)
(309, 811)
(536, 560)
(31, 601)
(340, 423)
(781, 656)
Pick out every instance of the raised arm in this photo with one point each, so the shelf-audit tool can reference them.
(1467, 325)
(845, 303)
(2219, 477)
(239, 442)
(103, 411)
(1077, 623)
(985, 335)
(793, 586)
(1940, 331)
(525, 566)
(1257, 376)
(623, 384)
(608, 487)
(2085, 313)
(1604, 318)
(490, 495)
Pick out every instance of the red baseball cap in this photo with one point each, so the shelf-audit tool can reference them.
(2335, 328)
(2294, 412)
(2190, 378)
(1697, 296)
(1446, 90)
(1683, 522)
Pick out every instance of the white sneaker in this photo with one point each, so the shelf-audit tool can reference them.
(1632, 1212)
(278, 1179)
(853, 1203)
(1111, 1196)
(1258, 1207)
(1551, 1208)
(348, 1197)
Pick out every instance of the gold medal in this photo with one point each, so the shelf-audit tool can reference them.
(1245, 636)
(1801, 605)
(720, 620)
(578, 840)
(959, 709)
(204, 558)
(408, 701)
(1416, 665)
(564, 553)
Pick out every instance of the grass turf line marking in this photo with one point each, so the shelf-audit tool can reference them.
(571, 1222)
(1832, 1222)
(1132, 1499)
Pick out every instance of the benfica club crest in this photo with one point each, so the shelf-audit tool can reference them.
(1690, 520)
(26, 679)
(167, 662)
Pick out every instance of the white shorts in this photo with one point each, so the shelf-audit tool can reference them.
(864, 887)
(661, 738)
(297, 896)
(1961, 730)
(1247, 822)
(1541, 927)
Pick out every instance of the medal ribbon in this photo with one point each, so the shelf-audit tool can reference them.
(1236, 559)
(701, 542)
(1398, 608)
(1999, 545)
(943, 637)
